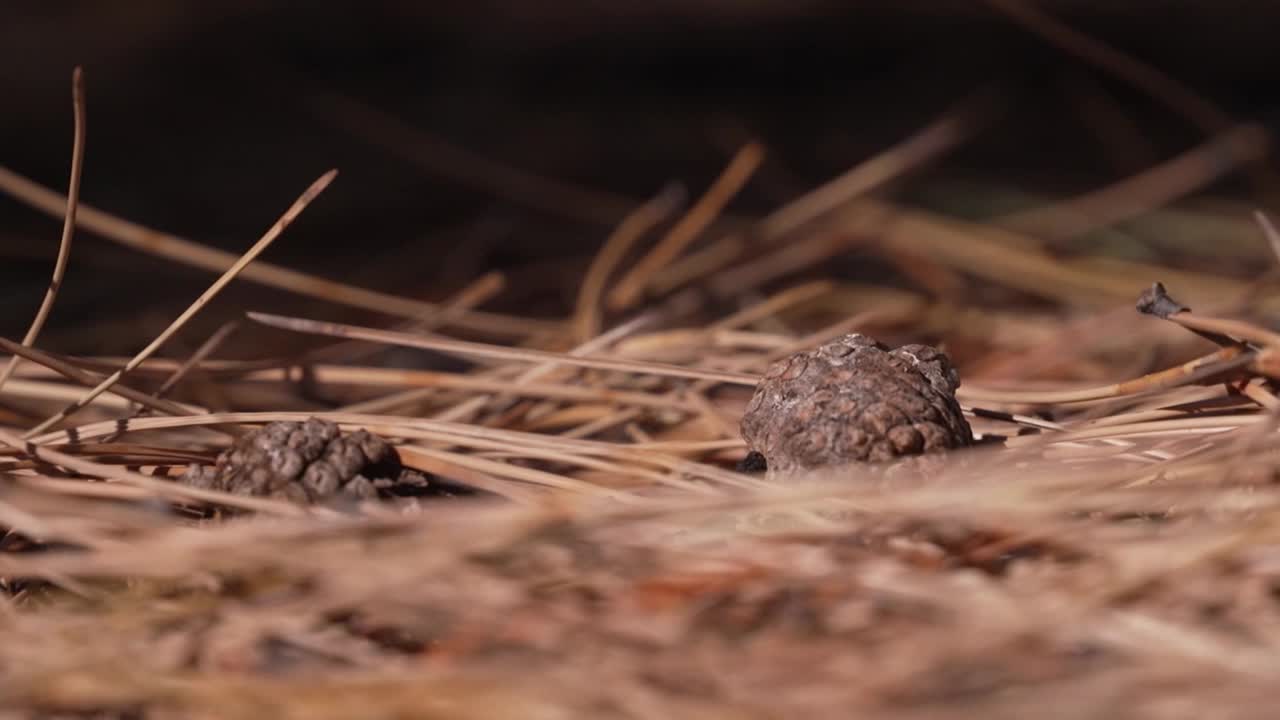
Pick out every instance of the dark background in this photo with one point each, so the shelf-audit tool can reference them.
(207, 118)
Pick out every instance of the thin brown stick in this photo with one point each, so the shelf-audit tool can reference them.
(784, 259)
(945, 133)
(516, 472)
(72, 372)
(1152, 188)
(189, 365)
(1004, 257)
(1173, 426)
(165, 366)
(1258, 393)
(633, 227)
(1269, 231)
(698, 263)
(206, 348)
(434, 380)
(472, 295)
(272, 233)
(734, 177)
(1239, 329)
(1227, 359)
(474, 404)
(774, 304)
(469, 476)
(57, 391)
(68, 223)
(602, 423)
(471, 169)
(498, 352)
(137, 453)
(193, 254)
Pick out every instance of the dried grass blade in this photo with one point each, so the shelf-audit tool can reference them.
(74, 373)
(1146, 190)
(1269, 231)
(68, 224)
(498, 352)
(270, 236)
(193, 254)
(586, 319)
(632, 285)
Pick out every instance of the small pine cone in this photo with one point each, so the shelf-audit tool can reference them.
(854, 400)
(304, 462)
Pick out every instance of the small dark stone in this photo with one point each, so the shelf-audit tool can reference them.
(754, 462)
(854, 400)
(306, 462)
(1156, 301)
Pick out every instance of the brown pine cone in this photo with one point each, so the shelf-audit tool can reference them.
(305, 462)
(855, 400)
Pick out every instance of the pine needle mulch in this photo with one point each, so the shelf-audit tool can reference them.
(1110, 549)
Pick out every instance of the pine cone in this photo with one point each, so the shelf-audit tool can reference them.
(852, 400)
(305, 462)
